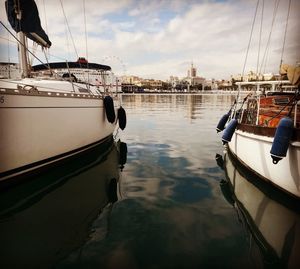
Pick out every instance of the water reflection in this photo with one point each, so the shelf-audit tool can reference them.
(185, 123)
(271, 218)
(174, 103)
(44, 219)
(172, 177)
(172, 214)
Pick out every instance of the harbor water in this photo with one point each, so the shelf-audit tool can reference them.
(160, 195)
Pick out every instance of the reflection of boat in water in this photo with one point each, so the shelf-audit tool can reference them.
(44, 219)
(272, 218)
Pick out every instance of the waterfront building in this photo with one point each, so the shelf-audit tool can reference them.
(225, 85)
(192, 80)
(137, 84)
(237, 77)
(150, 84)
(174, 82)
(9, 70)
(253, 76)
(192, 72)
(130, 79)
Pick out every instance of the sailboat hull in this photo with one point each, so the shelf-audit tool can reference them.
(253, 151)
(39, 129)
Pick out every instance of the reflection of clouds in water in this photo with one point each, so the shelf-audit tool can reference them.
(185, 122)
(191, 190)
(172, 213)
(152, 172)
(169, 217)
(167, 147)
(146, 234)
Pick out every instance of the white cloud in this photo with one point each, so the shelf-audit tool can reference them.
(160, 38)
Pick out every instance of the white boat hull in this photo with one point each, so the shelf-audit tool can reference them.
(254, 152)
(36, 130)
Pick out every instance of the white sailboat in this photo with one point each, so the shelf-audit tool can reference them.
(46, 119)
(267, 138)
(263, 129)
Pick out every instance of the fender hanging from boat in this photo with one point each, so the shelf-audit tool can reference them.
(109, 109)
(229, 131)
(122, 118)
(221, 125)
(282, 139)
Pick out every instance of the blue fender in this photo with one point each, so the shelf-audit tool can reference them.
(282, 139)
(221, 125)
(229, 131)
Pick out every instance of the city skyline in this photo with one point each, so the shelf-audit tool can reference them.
(158, 39)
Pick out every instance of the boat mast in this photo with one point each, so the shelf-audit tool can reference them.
(23, 56)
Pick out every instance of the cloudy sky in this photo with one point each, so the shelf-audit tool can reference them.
(159, 38)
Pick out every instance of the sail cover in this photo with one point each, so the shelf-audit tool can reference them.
(29, 23)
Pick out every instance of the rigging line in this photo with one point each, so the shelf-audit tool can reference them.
(264, 64)
(22, 44)
(8, 54)
(18, 41)
(8, 41)
(34, 50)
(15, 42)
(86, 44)
(250, 38)
(246, 57)
(68, 27)
(46, 23)
(67, 41)
(260, 34)
(45, 16)
(284, 39)
(264, 60)
(47, 60)
(85, 31)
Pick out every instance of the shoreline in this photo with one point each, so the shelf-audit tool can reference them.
(185, 93)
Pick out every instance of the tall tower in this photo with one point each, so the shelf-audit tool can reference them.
(193, 71)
